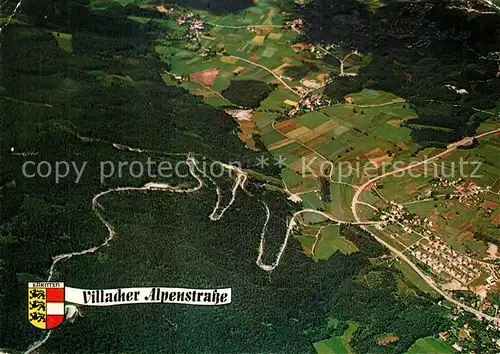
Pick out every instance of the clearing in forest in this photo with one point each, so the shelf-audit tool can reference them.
(206, 77)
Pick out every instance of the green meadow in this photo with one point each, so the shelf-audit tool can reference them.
(431, 346)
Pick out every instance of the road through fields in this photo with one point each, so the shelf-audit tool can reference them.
(399, 254)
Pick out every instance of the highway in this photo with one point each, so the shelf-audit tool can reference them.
(430, 281)
(399, 254)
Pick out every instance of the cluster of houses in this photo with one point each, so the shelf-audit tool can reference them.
(464, 333)
(441, 258)
(311, 84)
(466, 191)
(296, 25)
(307, 86)
(309, 104)
(190, 19)
(397, 213)
(301, 47)
(193, 23)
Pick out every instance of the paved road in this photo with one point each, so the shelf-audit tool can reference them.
(273, 125)
(331, 218)
(341, 61)
(429, 281)
(409, 167)
(270, 71)
(291, 225)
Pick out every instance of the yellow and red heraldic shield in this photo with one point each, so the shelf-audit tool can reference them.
(46, 304)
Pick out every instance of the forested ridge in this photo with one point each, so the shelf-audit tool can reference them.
(109, 88)
(166, 239)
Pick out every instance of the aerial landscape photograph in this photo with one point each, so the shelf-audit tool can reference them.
(250, 176)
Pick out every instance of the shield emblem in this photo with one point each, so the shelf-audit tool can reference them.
(46, 304)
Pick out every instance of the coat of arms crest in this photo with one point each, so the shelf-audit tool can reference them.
(46, 304)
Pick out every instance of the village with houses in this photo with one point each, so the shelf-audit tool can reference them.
(452, 269)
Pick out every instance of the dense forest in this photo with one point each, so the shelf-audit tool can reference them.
(109, 89)
(167, 239)
(417, 48)
(247, 93)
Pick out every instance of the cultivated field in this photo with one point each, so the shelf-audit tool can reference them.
(430, 346)
(322, 242)
(339, 344)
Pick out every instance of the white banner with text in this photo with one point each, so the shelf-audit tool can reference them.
(152, 295)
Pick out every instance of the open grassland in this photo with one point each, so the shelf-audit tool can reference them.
(63, 41)
(341, 196)
(414, 278)
(489, 124)
(373, 5)
(393, 241)
(330, 241)
(333, 132)
(371, 97)
(239, 50)
(370, 117)
(404, 188)
(276, 99)
(431, 346)
(332, 346)
(349, 333)
(291, 178)
(306, 185)
(323, 242)
(311, 142)
(312, 120)
(392, 133)
(338, 344)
